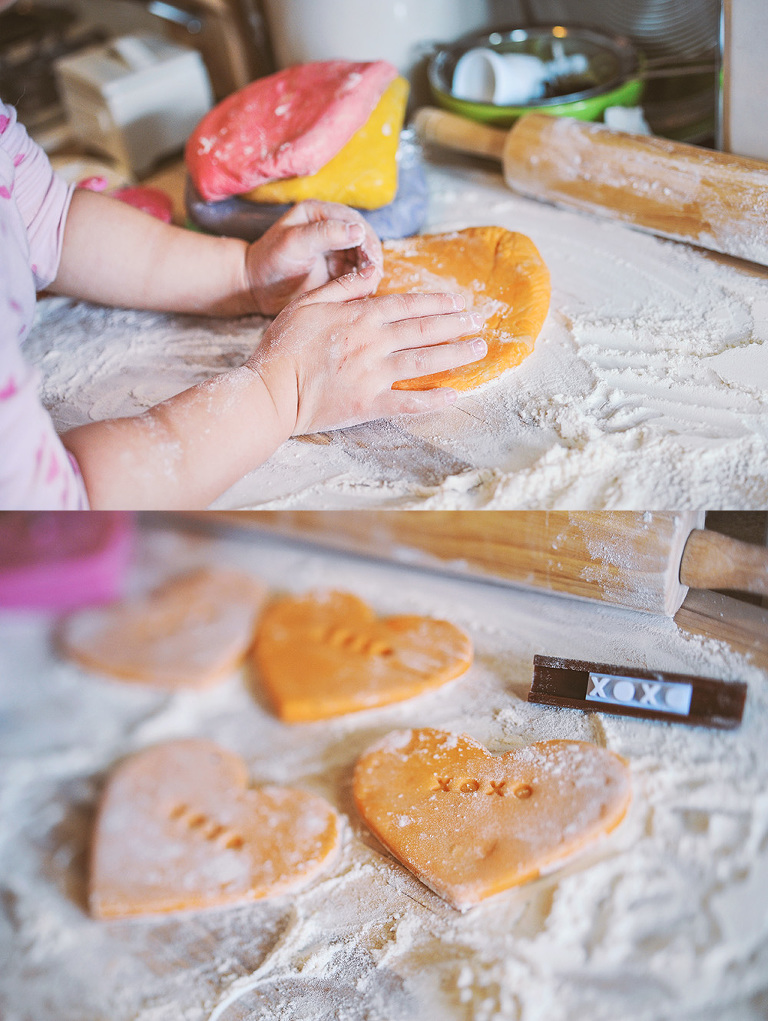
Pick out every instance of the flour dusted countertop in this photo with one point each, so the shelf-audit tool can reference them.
(648, 387)
(664, 920)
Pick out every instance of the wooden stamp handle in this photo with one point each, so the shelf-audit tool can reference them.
(714, 561)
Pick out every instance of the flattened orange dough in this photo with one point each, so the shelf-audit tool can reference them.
(470, 824)
(326, 654)
(178, 829)
(189, 633)
(501, 275)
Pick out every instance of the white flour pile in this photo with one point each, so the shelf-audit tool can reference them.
(648, 386)
(664, 921)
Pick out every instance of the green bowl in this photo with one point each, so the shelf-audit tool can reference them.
(612, 77)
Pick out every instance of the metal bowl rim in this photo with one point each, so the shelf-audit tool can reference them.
(628, 57)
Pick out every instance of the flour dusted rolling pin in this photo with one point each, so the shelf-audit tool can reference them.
(667, 188)
(639, 561)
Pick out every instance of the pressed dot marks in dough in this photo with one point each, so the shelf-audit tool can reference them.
(327, 654)
(179, 828)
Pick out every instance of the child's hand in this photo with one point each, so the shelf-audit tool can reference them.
(311, 244)
(331, 357)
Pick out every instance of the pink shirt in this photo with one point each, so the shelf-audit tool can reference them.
(36, 472)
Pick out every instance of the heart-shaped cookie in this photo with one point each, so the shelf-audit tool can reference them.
(470, 824)
(178, 828)
(325, 654)
(189, 633)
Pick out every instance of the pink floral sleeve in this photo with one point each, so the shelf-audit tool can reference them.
(36, 472)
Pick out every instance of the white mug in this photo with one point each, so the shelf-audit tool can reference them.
(483, 75)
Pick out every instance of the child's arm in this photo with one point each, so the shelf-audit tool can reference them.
(182, 453)
(117, 255)
(329, 359)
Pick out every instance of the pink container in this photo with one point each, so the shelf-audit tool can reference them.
(60, 560)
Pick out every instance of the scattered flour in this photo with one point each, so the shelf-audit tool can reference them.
(648, 386)
(663, 920)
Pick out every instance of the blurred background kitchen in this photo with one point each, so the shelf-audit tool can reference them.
(124, 81)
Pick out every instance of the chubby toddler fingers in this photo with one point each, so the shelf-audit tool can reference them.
(349, 286)
(313, 210)
(439, 357)
(394, 309)
(434, 329)
(332, 227)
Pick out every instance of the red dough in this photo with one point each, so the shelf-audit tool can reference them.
(289, 124)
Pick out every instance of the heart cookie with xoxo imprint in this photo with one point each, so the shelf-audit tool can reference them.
(179, 828)
(188, 633)
(470, 824)
(327, 653)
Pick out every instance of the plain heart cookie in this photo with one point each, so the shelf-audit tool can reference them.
(325, 654)
(470, 824)
(189, 633)
(178, 828)
(500, 274)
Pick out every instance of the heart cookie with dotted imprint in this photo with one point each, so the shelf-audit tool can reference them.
(179, 828)
(189, 633)
(470, 824)
(326, 654)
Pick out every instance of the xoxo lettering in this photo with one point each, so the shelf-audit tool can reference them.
(471, 785)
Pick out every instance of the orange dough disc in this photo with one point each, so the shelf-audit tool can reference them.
(189, 633)
(325, 654)
(470, 824)
(501, 275)
(179, 828)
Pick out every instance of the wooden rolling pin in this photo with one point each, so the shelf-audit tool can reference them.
(683, 192)
(639, 561)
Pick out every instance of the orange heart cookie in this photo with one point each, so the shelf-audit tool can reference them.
(470, 824)
(178, 828)
(189, 633)
(325, 654)
(501, 275)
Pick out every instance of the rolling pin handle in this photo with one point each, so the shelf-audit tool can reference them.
(714, 561)
(459, 133)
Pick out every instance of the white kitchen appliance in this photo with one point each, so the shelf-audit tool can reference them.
(136, 98)
(743, 113)
(401, 31)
